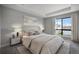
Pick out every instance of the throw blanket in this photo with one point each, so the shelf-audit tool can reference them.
(43, 43)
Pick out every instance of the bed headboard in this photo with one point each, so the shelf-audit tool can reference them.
(31, 29)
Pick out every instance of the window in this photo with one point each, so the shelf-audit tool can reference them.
(63, 26)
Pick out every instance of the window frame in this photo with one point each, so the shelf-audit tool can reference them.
(62, 29)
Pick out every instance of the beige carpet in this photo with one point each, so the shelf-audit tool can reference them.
(74, 47)
(23, 50)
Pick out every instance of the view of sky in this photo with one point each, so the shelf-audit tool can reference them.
(66, 22)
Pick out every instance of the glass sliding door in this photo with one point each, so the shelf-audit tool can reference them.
(63, 26)
(67, 24)
(58, 26)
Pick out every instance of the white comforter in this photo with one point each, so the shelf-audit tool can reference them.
(43, 43)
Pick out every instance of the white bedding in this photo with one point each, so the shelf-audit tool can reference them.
(43, 43)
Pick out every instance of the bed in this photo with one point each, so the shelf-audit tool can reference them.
(45, 44)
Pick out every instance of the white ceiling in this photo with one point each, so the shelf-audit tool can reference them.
(45, 8)
(41, 10)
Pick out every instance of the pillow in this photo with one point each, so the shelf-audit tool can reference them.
(30, 33)
(36, 33)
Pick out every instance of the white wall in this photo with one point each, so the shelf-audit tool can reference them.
(33, 24)
(11, 19)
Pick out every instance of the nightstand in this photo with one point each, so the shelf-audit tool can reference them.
(14, 41)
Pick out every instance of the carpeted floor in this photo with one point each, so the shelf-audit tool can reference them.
(74, 47)
(23, 50)
(20, 49)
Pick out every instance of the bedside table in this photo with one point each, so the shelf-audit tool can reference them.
(14, 41)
